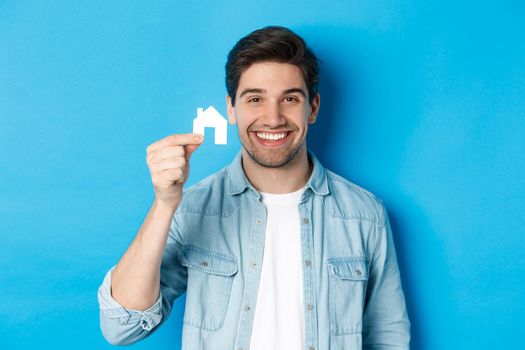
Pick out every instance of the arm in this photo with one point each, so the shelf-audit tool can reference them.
(385, 320)
(123, 325)
(138, 292)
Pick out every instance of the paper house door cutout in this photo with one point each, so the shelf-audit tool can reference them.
(210, 118)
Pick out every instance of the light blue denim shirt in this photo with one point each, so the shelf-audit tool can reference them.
(352, 289)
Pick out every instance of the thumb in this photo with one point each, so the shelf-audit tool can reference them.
(189, 149)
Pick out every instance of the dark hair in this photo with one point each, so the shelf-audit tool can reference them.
(273, 44)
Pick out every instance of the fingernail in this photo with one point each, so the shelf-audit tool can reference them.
(198, 138)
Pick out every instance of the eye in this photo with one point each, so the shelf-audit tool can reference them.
(291, 99)
(254, 100)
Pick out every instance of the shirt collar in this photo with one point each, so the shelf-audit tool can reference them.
(238, 182)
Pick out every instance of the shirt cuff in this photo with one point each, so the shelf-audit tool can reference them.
(111, 309)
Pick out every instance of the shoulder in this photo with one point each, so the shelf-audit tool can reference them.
(347, 200)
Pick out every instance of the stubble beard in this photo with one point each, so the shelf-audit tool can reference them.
(271, 161)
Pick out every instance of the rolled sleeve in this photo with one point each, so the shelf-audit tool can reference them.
(121, 326)
(385, 320)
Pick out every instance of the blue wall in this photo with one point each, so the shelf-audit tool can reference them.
(423, 103)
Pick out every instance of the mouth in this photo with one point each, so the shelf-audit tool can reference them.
(272, 138)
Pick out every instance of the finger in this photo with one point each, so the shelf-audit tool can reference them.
(176, 140)
(173, 175)
(172, 163)
(166, 153)
(189, 149)
(169, 177)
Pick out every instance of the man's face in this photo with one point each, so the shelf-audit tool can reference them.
(272, 112)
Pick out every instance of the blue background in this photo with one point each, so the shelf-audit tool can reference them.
(423, 103)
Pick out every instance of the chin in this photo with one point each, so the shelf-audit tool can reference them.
(273, 161)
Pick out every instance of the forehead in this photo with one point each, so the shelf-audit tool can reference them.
(272, 76)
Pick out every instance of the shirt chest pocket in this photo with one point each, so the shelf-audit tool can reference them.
(348, 277)
(210, 279)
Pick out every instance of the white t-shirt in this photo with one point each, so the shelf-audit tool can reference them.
(279, 313)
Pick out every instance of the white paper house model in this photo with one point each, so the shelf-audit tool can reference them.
(210, 118)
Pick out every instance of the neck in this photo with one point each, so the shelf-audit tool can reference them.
(288, 178)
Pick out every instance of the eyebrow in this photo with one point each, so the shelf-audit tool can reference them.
(252, 91)
(263, 91)
(292, 90)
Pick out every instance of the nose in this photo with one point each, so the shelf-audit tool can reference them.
(273, 116)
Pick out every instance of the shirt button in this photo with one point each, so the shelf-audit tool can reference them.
(309, 307)
(306, 221)
(257, 221)
(311, 348)
(247, 307)
(358, 272)
(239, 348)
(308, 263)
(204, 263)
(253, 264)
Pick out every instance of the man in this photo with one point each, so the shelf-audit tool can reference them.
(273, 251)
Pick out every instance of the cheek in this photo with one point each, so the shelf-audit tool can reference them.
(242, 125)
(245, 117)
(302, 110)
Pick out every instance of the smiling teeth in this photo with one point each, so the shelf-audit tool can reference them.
(271, 137)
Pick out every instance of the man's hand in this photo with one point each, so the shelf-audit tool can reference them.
(168, 163)
(135, 281)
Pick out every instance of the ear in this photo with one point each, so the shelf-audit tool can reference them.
(314, 106)
(230, 111)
